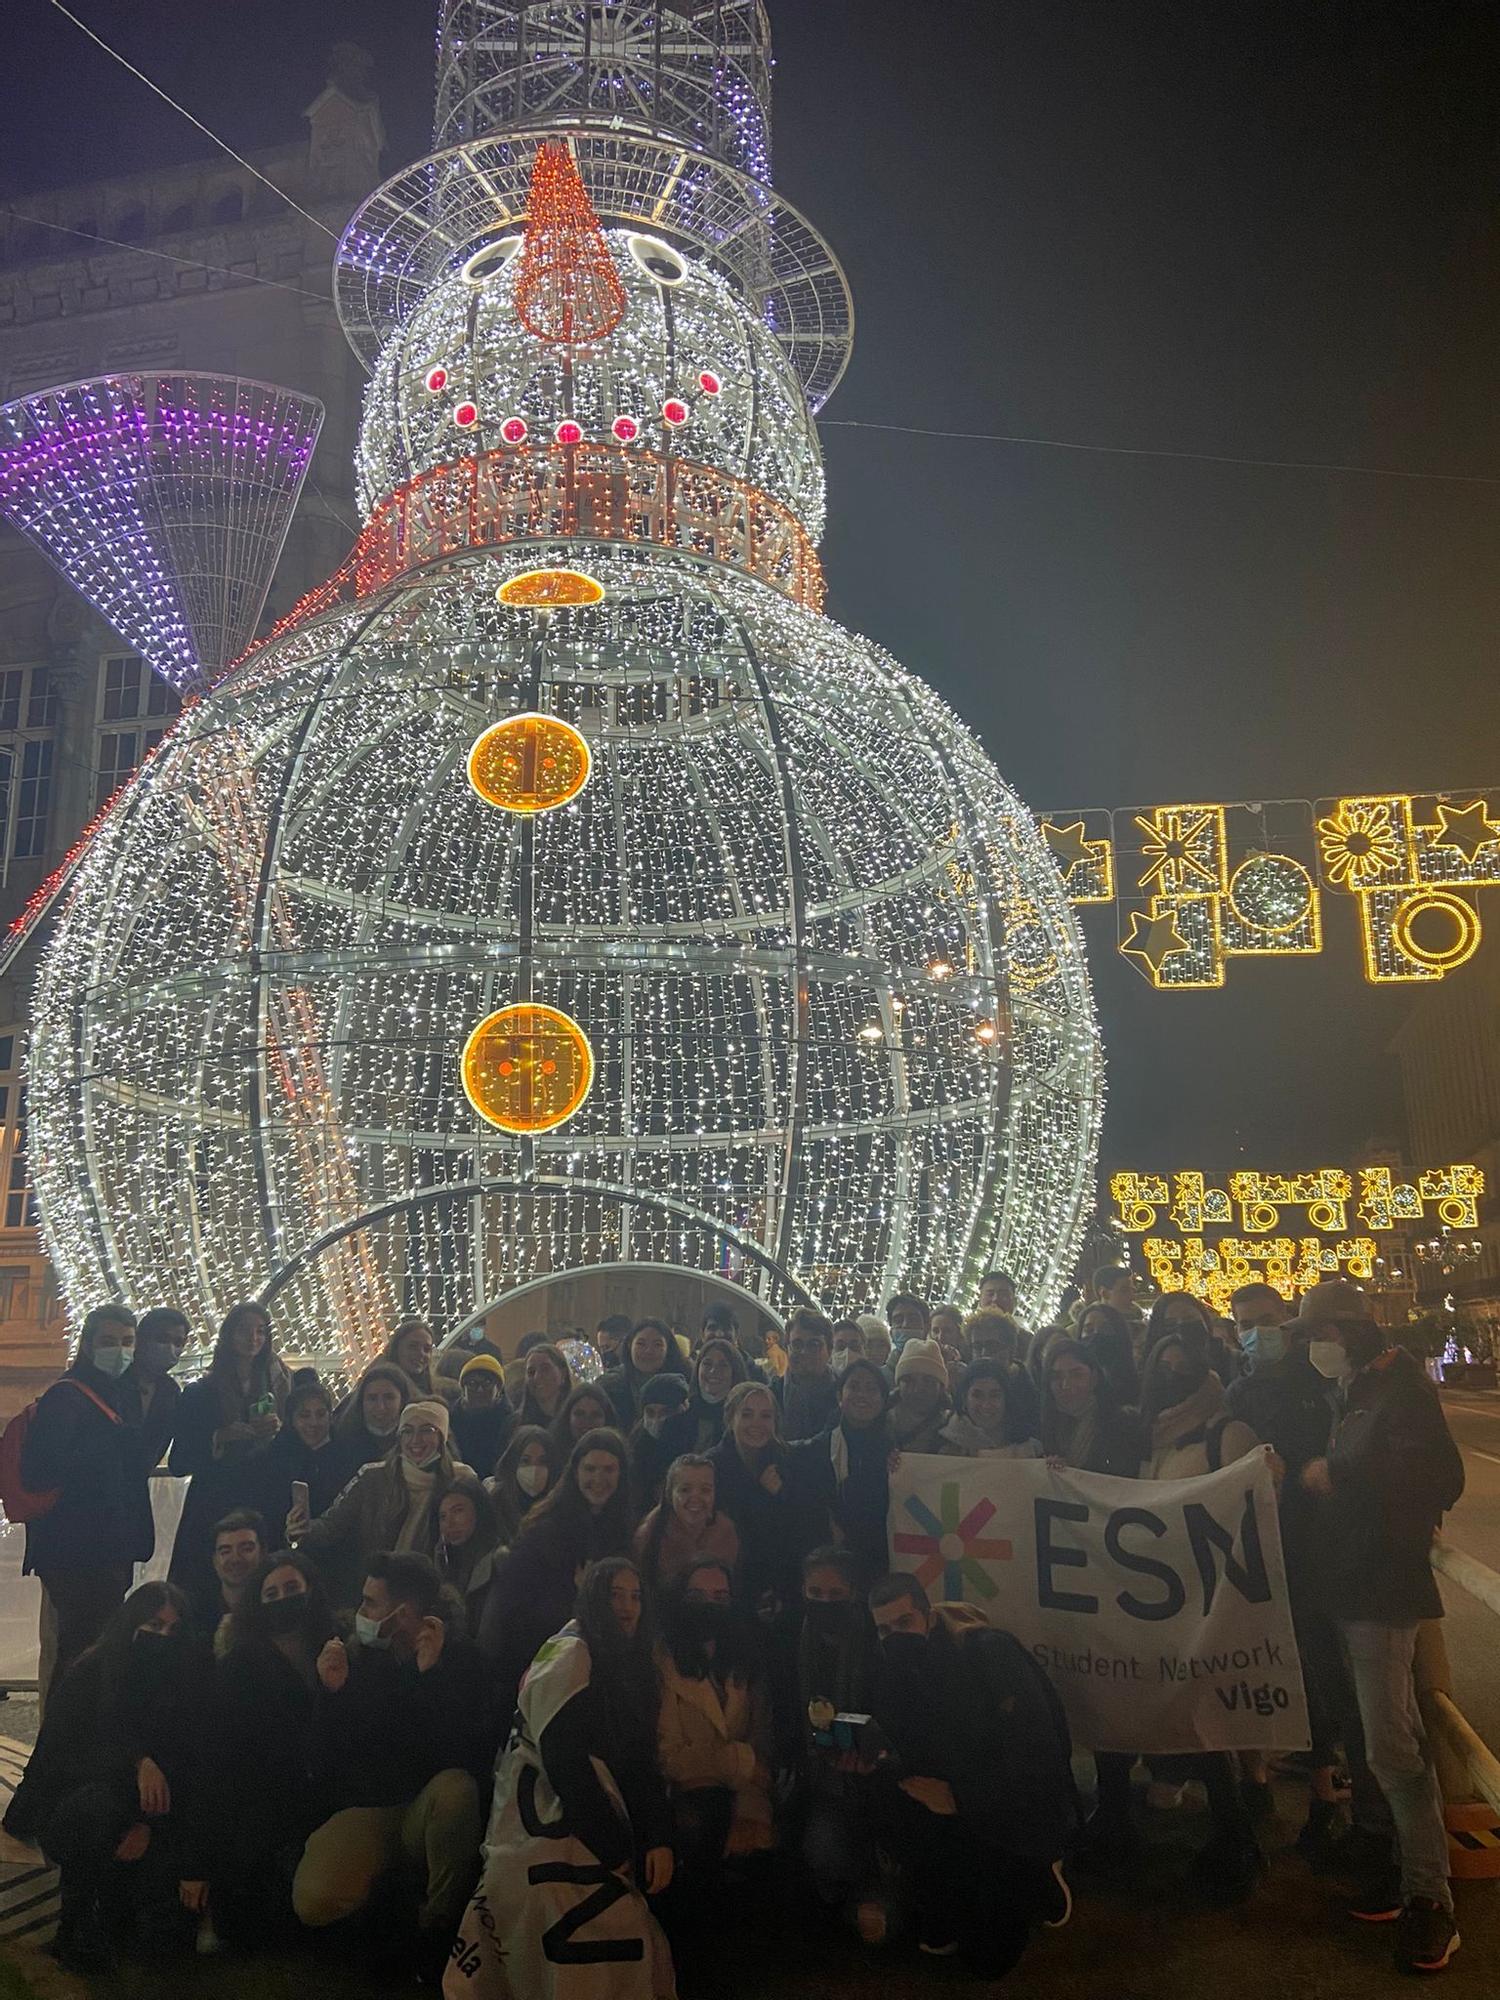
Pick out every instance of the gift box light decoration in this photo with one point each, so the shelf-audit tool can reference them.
(634, 912)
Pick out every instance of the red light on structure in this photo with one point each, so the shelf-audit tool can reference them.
(437, 380)
(568, 289)
(466, 416)
(626, 429)
(513, 430)
(569, 432)
(709, 383)
(674, 412)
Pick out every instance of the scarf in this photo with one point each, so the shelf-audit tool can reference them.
(420, 1482)
(1183, 1419)
(976, 1441)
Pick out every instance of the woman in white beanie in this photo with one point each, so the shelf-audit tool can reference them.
(390, 1505)
(922, 1403)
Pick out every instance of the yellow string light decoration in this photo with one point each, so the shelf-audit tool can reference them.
(527, 1068)
(550, 590)
(529, 763)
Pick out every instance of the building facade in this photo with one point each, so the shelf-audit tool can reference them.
(196, 267)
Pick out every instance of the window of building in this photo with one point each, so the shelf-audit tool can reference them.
(34, 798)
(41, 702)
(15, 1298)
(122, 686)
(12, 693)
(119, 754)
(7, 1053)
(20, 1207)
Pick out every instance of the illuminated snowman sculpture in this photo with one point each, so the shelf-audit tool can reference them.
(558, 889)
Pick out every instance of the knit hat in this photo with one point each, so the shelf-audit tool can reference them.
(482, 1364)
(1335, 1298)
(922, 1357)
(425, 1412)
(663, 1388)
(869, 1323)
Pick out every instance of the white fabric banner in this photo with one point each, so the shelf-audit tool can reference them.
(1157, 1607)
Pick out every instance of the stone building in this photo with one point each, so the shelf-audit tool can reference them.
(200, 266)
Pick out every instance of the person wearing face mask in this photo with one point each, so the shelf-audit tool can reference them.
(877, 1339)
(981, 1426)
(808, 1393)
(976, 1801)
(610, 1336)
(392, 1505)
(847, 1344)
(528, 1468)
(403, 1720)
(108, 1790)
(1390, 1473)
(717, 1368)
(685, 1526)
(835, 1676)
(364, 1424)
(584, 1518)
(663, 1431)
(648, 1351)
(483, 1420)
(714, 1729)
(1180, 1312)
(580, 1830)
(262, 1792)
(161, 1340)
(1291, 1407)
(223, 1419)
(908, 1318)
(80, 1445)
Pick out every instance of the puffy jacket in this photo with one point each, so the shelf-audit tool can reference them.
(719, 1736)
(1395, 1471)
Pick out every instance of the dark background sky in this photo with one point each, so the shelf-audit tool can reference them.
(1250, 227)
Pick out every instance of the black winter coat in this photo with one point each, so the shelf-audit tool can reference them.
(391, 1728)
(263, 1786)
(1396, 1471)
(269, 1474)
(102, 1517)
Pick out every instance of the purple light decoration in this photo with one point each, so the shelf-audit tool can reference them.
(164, 500)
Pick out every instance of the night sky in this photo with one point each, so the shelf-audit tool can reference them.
(1260, 230)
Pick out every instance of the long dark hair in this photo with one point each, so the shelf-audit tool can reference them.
(247, 1623)
(623, 1674)
(566, 1505)
(531, 1411)
(661, 1514)
(1072, 1438)
(112, 1647)
(510, 1515)
(1158, 1388)
(737, 1654)
(1113, 1346)
(1161, 1320)
(560, 1428)
(352, 1419)
(267, 1376)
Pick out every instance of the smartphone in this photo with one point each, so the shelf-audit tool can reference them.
(263, 1406)
(301, 1497)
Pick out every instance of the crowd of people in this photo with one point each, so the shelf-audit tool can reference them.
(517, 1665)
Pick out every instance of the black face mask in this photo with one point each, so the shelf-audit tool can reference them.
(706, 1621)
(1362, 1343)
(284, 1614)
(830, 1620)
(904, 1651)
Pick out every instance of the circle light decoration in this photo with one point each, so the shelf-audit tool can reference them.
(529, 763)
(550, 590)
(782, 830)
(1271, 892)
(527, 1068)
(1455, 913)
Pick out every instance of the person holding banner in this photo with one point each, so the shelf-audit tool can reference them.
(975, 1799)
(1391, 1472)
(1082, 1424)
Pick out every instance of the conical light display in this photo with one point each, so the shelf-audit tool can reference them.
(165, 501)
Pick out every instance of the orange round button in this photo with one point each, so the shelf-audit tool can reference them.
(527, 1068)
(549, 590)
(529, 763)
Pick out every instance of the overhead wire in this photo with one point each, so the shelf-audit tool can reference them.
(1157, 451)
(189, 263)
(182, 109)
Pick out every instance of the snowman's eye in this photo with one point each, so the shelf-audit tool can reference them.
(491, 258)
(658, 260)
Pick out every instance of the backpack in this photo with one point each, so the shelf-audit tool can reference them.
(16, 1497)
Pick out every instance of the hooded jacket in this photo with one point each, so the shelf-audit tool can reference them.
(1395, 1471)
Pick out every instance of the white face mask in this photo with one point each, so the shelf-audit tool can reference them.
(370, 1632)
(532, 1479)
(113, 1360)
(1329, 1358)
(654, 1423)
(841, 1359)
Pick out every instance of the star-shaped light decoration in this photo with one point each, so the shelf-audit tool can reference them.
(1154, 940)
(1067, 845)
(1180, 851)
(1467, 828)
